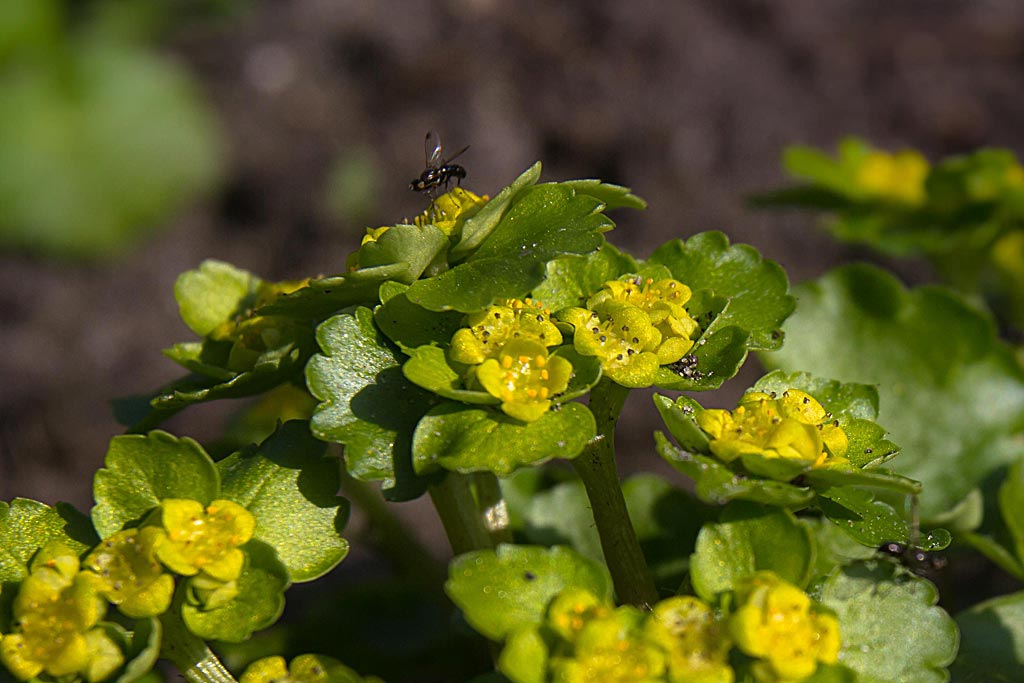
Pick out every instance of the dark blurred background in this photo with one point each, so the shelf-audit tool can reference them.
(137, 139)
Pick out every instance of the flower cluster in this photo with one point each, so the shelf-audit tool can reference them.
(58, 608)
(634, 326)
(898, 178)
(507, 349)
(303, 669)
(792, 426)
(777, 623)
(684, 640)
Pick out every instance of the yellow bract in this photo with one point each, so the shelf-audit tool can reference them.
(525, 378)
(697, 645)
(451, 208)
(488, 330)
(204, 540)
(132, 577)
(56, 611)
(777, 623)
(793, 426)
(611, 650)
(569, 612)
(898, 177)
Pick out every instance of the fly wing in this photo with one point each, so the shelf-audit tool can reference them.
(432, 150)
(457, 154)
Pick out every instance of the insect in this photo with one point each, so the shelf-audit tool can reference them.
(438, 172)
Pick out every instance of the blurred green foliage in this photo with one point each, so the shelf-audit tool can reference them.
(104, 138)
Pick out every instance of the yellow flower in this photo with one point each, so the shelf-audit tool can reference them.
(571, 609)
(56, 613)
(663, 301)
(204, 540)
(625, 340)
(525, 378)
(793, 426)
(777, 623)
(303, 669)
(611, 650)
(488, 330)
(133, 578)
(450, 210)
(696, 643)
(898, 177)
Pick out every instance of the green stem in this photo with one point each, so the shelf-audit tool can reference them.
(596, 468)
(409, 557)
(491, 504)
(459, 514)
(189, 653)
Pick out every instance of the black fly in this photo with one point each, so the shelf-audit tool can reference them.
(438, 172)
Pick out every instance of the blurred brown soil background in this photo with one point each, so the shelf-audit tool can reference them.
(324, 105)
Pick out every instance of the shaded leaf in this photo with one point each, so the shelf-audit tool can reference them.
(503, 590)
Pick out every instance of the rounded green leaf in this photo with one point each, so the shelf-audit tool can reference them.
(143, 650)
(461, 439)
(992, 642)
(213, 294)
(891, 628)
(410, 244)
(366, 403)
(141, 470)
(542, 224)
(290, 487)
(571, 280)
(757, 289)
(750, 538)
(952, 394)
(430, 368)
(478, 226)
(27, 525)
(259, 602)
(411, 326)
(504, 590)
(524, 659)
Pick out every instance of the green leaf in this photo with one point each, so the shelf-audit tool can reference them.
(504, 590)
(679, 417)
(811, 164)
(213, 294)
(992, 642)
(750, 538)
(524, 659)
(259, 602)
(461, 439)
(328, 295)
(716, 357)
(143, 650)
(366, 403)
(757, 289)
(952, 395)
(892, 630)
(411, 326)
(571, 280)
(429, 367)
(543, 224)
(289, 485)
(410, 244)
(716, 484)
(480, 225)
(1011, 505)
(142, 470)
(27, 525)
(857, 512)
(612, 196)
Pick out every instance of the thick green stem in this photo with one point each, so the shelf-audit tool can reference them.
(410, 559)
(189, 653)
(459, 514)
(491, 504)
(596, 467)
